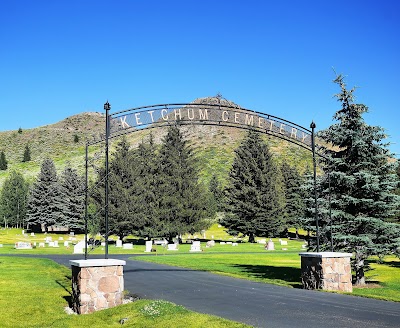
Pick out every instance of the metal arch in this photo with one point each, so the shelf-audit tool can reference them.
(115, 129)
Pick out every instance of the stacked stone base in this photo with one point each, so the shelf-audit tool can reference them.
(327, 271)
(96, 284)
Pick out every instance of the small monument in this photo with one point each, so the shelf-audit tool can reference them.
(195, 247)
(149, 246)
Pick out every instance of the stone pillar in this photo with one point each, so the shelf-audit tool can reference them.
(97, 284)
(327, 271)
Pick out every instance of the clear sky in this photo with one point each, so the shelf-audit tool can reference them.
(60, 58)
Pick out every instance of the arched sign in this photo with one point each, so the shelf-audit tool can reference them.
(148, 117)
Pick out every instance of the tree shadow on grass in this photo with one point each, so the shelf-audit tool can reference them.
(290, 275)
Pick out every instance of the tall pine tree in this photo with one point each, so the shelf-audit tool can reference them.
(13, 199)
(44, 203)
(362, 181)
(293, 196)
(3, 161)
(72, 200)
(255, 195)
(181, 198)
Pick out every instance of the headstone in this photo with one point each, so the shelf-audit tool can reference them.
(229, 243)
(51, 243)
(118, 243)
(41, 244)
(66, 243)
(127, 246)
(222, 243)
(283, 242)
(23, 232)
(172, 247)
(103, 243)
(262, 241)
(149, 245)
(79, 247)
(210, 243)
(270, 246)
(32, 234)
(72, 233)
(234, 244)
(195, 247)
(23, 245)
(55, 243)
(48, 239)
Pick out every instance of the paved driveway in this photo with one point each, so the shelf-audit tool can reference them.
(257, 304)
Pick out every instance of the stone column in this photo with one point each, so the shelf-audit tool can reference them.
(97, 284)
(327, 271)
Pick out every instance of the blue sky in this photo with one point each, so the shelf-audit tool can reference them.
(60, 58)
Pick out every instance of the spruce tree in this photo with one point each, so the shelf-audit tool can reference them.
(362, 181)
(3, 161)
(44, 203)
(120, 188)
(217, 194)
(255, 196)
(72, 200)
(13, 200)
(293, 196)
(27, 154)
(181, 199)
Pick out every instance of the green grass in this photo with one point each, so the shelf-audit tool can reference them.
(34, 293)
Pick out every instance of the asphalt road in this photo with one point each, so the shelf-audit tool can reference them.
(256, 304)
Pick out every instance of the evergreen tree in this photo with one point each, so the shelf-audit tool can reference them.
(72, 200)
(120, 187)
(181, 199)
(362, 181)
(293, 196)
(13, 200)
(3, 161)
(255, 196)
(217, 195)
(44, 203)
(144, 190)
(27, 154)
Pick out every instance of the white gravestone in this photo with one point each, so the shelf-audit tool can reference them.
(55, 243)
(66, 243)
(270, 246)
(51, 243)
(32, 234)
(41, 244)
(79, 247)
(23, 245)
(234, 244)
(262, 241)
(172, 247)
(127, 246)
(284, 242)
(195, 247)
(149, 245)
(118, 243)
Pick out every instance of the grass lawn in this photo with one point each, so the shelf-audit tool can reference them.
(34, 293)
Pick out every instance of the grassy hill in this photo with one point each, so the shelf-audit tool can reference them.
(214, 146)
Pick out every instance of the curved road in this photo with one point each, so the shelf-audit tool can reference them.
(256, 304)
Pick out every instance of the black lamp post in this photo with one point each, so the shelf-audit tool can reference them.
(107, 108)
(313, 126)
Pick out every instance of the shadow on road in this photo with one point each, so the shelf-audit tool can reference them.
(290, 275)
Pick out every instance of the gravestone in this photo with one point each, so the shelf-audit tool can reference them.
(222, 243)
(284, 242)
(32, 234)
(51, 243)
(66, 243)
(262, 241)
(234, 244)
(23, 245)
(149, 245)
(55, 243)
(195, 247)
(127, 246)
(270, 246)
(79, 247)
(41, 244)
(172, 247)
(118, 243)
(210, 243)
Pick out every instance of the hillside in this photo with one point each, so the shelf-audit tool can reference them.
(214, 145)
